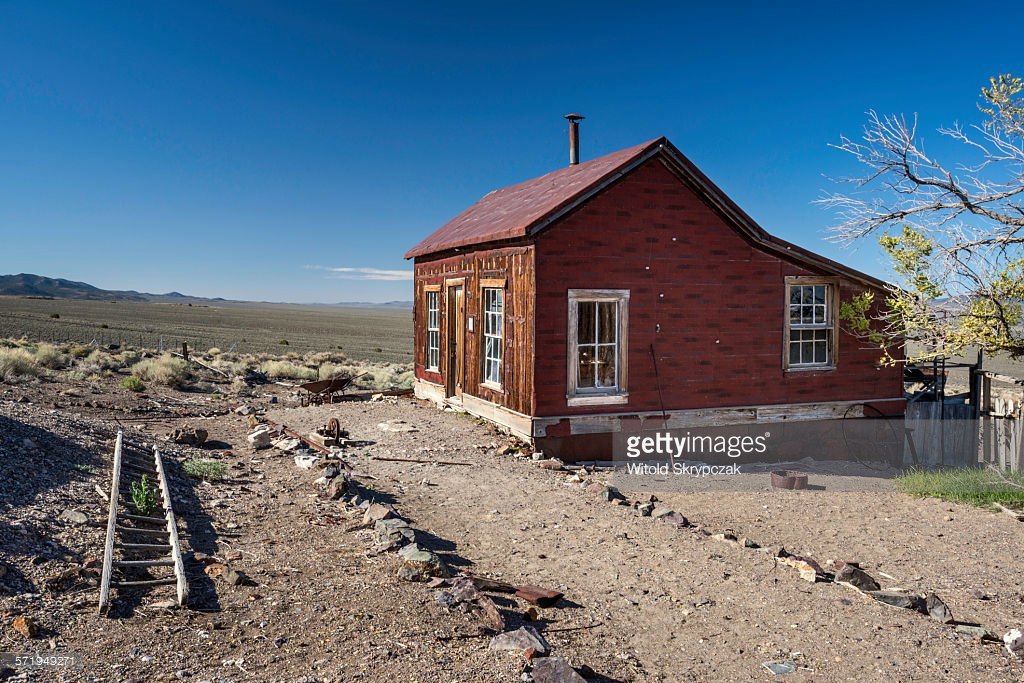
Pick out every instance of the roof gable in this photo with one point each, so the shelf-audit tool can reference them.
(513, 211)
(524, 209)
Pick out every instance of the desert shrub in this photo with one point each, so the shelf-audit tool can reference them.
(283, 342)
(232, 368)
(321, 357)
(79, 351)
(17, 363)
(214, 351)
(329, 370)
(207, 470)
(104, 326)
(102, 360)
(55, 316)
(49, 356)
(77, 375)
(282, 369)
(132, 383)
(166, 370)
(128, 358)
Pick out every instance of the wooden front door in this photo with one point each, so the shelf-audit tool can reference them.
(456, 364)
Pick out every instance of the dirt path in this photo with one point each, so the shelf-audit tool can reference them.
(645, 601)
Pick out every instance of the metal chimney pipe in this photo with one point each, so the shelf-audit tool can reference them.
(574, 138)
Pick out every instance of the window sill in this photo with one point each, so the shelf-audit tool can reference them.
(810, 368)
(426, 369)
(493, 387)
(597, 399)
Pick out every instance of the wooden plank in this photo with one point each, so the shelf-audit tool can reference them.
(172, 529)
(108, 550)
(163, 562)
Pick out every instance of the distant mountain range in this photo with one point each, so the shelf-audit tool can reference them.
(28, 285)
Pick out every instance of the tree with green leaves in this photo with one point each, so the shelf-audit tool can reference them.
(954, 233)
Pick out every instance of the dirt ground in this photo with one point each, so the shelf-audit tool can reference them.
(644, 600)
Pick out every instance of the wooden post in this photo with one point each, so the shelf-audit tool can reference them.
(184, 350)
(108, 552)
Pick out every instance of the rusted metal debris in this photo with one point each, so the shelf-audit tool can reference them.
(534, 595)
(421, 462)
(324, 390)
(787, 479)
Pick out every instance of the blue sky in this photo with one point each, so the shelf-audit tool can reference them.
(250, 149)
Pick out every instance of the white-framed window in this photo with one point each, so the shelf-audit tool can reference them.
(433, 347)
(597, 340)
(494, 335)
(810, 323)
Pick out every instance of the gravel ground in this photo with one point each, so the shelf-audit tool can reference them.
(645, 600)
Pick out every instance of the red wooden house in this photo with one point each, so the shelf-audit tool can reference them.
(625, 289)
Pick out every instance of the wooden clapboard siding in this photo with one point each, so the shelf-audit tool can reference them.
(486, 267)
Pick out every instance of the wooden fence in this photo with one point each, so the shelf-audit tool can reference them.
(963, 435)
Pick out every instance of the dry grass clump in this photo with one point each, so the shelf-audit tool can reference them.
(79, 351)
(166, 370)
(282, 369)
(17, 363)
(214, 351)
(50, 357)
(321, 357)
(102, 360)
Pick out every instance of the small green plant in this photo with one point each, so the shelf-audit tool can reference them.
(55, 316)
(84, 469)
(143, 496)
(207, 470)
(283, 342)
(132, 383)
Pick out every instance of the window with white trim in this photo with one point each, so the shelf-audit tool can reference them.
(811, 325)
(494, 337)
(597, 346)
(433, 351)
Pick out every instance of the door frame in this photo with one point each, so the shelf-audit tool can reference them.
(455, 337)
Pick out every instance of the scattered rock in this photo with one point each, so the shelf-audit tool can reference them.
(76, 517)
(188, 436)
(306, 462)
(1013, 640)
(520, 640)
(937, 609)
(645, 509)
(553, 464)
(233, 577)
(25, 626)
(245, 410)
(260, 437)
(554, 670)
(288, 444)
(397, 426)
(808, 568)
(337, 488)
(977, 631)
(675, 518)
(377, 512)
(423, 562)
(394, 533)
(854, 576)
(900, 599)
(610, 494)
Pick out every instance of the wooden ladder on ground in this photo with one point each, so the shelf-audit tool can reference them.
(138, 543)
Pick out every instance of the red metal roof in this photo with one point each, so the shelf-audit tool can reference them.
(512, 211)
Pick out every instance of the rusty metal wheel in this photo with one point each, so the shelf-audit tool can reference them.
(334, 428)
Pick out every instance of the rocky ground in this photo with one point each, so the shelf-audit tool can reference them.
(646, 598)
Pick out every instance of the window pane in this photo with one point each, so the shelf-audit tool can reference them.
(794, 353)
(794, 315)
(586, 315)
(819, 313)
(794, 296)
(585, 371)
(819, 294)
(606, 366)
(820, 354)
(606, 322)
(807, 315)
